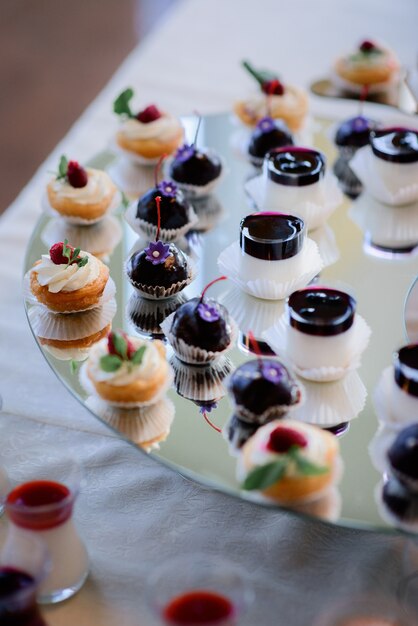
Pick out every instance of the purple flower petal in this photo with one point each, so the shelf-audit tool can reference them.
(167, 188)
(184, 153)
(266, 124)
(207, 407)
(157, 252)
(272, 371)
(208, 312)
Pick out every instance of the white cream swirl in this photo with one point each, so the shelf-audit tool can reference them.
(315, 451)
(165, 128)
(67, 278)
(128, 371)
(99, 186)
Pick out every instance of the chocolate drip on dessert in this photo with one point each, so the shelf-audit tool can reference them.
(295, 166)
(399, 145)
(271, 236)
(321, 311)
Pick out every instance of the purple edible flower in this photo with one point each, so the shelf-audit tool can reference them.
(266, 124)
(208, 312)
(157, 252)
(167, 188)
(207, 407)
(359, 123)
(272, 372)
(185, 152)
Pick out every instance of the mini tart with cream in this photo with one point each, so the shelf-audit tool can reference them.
(68, 280)
(127, 369)
(288, 461)
(370, 64)
(150, 133)
(275, 99)
(76, 192)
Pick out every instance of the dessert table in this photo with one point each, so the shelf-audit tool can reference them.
(133, 513)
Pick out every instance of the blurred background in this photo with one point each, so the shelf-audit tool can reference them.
(55, 56)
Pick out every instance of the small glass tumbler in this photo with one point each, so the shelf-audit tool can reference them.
(23, 565)
(199, 589)
(41, 504)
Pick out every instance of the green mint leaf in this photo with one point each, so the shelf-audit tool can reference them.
(121, 345)
(66, 251)
(75, 254)
(121, 104)
(138, 356)
(125, 200)
(62, 167)
(110, 362)
(261, 76)
(73, 366)
(83, 261)
(265, 476)
(307, 468)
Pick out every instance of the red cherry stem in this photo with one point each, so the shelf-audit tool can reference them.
(205, 415)
(197, 130)
(158, 168)
(158, 202)
(255, 347)
(210, 285)
(363, 96)
(269, 98)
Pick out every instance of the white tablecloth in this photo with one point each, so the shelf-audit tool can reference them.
(133, 513)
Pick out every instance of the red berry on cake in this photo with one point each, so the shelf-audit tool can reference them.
(76, 175)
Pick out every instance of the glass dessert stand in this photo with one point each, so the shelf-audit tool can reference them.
(379, 278)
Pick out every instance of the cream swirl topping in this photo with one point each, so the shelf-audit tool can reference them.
(128, 372)
(165, 128)
(315, 451)
(99, 186)
(67, 277)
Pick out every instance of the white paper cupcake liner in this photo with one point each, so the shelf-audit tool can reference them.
(90, 389)
(142, 227)
(108, 293)
(229, 264)
(192, 354)
(144, 426)
(70, 326)
(251, 314)
(329, 404)
(388, 516)
(386, 226)
(197, 191)
(327, 244)
(130, 177)
(314, 215)
(201, 383)
(100, 239)
(365, 168)
(76, 220)
(276, 339)
(136, 159)
(67, 354)
(146, 315)
(163, 293)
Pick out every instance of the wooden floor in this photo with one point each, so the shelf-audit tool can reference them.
(55, 56)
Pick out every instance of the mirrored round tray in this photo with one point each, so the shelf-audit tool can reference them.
(378, 277)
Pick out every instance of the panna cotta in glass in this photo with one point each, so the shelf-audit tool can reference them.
(396, 155)
(293, 175)
(404, 389)
(43, 508)
(271, 246)
(320, 330)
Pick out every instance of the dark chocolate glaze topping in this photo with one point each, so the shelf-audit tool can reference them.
(355, 132)
(238, 431)
(403, 454)
(272, 236)
(200, 169)
(295, 166)
(188, 325)
(321, 311)
(255, 392)
(174, 211)
(262, 141)
(400, 501)
(407, 357)
(142, 272)
(398, 145)
(339, 429)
